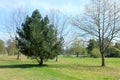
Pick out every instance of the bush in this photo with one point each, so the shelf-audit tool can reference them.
(95, 53)
(113, 52)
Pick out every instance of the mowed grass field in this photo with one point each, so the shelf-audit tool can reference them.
(67, 68)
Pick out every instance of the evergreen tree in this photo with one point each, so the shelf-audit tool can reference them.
(38, 39)
(92, 44)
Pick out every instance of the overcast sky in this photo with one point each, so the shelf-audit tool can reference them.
(70, 7)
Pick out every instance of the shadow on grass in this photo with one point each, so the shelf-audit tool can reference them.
(22, 66)
(76, 66)
(68, 66)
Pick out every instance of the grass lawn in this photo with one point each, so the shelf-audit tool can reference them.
(67, 68)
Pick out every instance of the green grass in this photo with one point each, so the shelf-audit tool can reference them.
(67, 68)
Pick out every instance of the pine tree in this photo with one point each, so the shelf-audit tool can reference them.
(38, 39)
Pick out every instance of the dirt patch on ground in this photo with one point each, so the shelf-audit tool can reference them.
(22, 58)
(7, 58)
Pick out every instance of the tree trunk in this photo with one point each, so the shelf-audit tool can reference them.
(77, 54)
(56, 58)
(103, 61)
(41, 61)
(18, 55)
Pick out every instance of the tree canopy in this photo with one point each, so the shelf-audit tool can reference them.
(101, 20)
(38, 39)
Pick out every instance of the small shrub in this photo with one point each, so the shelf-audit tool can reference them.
(95, 53)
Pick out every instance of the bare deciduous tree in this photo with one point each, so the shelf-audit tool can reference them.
(60, 22)
(101, 20)
(13, 22)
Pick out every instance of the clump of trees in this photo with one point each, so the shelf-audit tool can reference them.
(38, 38)
(2, 48)
(91, 45)
(11, 47)
(93, 49)
(113, 52)
(76, 48)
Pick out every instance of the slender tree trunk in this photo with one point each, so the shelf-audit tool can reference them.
(77, 54)
(103, 61)
(56, 58)
(18, 55)
(41, 61)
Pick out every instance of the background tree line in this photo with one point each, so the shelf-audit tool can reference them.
(76, 48)
(9, 48)
(112, 51)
